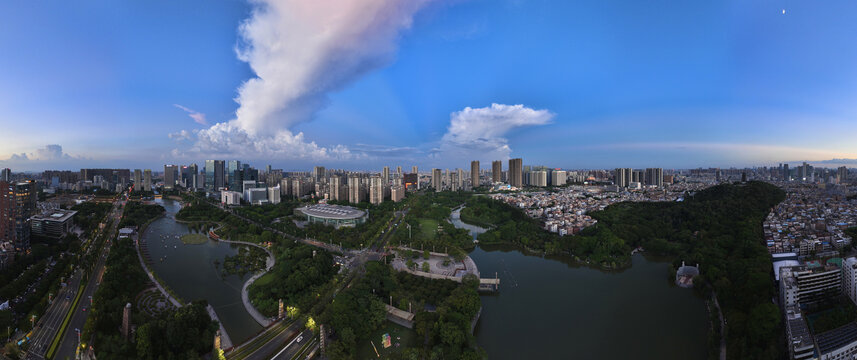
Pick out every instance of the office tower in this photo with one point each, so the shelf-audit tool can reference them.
(516, 178)
(147, 180)
(267, 169)
(414, 170)
(496, 171)
(376, 189)
(318, 173)
(398, 171)
(786, 172)
(6, 175)
(622, 177)
(459, 179)
(842, 174)
(138, 180)
(655, 176)
(215, 175)
(474, 173)
(170, 176)
(437, 179)
(559, 178)
(355, 190)
(232, 177)
(17, 206)
(385, 176)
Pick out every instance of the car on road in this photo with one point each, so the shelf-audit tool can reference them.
(84, 308)
(300, 338)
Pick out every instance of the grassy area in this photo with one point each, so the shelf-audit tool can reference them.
(63, 327)
(265, 279)
(194, 239)
(429, 228)
(399, 335)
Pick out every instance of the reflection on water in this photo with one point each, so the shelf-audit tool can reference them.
(191, 272)
(555, 308)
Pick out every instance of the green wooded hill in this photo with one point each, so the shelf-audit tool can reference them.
(719, 228)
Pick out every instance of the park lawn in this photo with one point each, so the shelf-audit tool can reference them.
(264, 280)
(194, 239)
(429, 228)
(399, 334)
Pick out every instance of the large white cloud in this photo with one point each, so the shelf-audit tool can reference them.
(300, 51)
(480, 133)
(47, 153)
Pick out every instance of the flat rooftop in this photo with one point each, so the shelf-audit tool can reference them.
(55, 215)
(332, 211)
(836, 338)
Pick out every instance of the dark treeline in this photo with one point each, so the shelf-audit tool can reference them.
(90, 214)
(137, 213)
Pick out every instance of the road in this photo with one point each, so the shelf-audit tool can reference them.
(56, 313)
(294, 346)
(278, 342)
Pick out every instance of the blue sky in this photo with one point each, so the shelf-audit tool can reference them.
(362, 84)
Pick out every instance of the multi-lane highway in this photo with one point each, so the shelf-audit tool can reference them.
(70, 340)
(48, 327)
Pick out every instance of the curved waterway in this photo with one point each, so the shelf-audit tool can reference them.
(190, 272)
(553, 308)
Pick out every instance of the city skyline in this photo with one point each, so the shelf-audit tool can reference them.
(620, 84)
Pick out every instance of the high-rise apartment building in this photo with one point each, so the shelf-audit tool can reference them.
(459, 179)
(496, 171)
(655, 176)
(842, 174)
(6, 175)
(437, 179)
(539, 178)
(170, 176)
(376, 189)
(414, 170)
(17, 206)
(318, 174)
(474, 173)
(138, 180)
(385, 176)
(398, 171)
(559, 177)
(516, 172)
(336, 190)
(355, 189)
(622, 177)
(147, 180)
(397, 193)
(786, 172)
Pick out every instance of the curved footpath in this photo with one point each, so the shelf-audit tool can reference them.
(245, 298)
(149, 271)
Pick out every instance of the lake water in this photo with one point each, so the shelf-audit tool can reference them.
(556, 309)
(190, 272)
